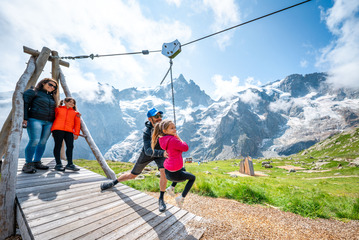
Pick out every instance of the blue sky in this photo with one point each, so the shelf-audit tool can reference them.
(322, 35)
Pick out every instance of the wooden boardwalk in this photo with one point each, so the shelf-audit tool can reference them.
(70, 205)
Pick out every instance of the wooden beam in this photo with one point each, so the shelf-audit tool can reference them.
(95, 150)
(9, 166)
(36, 53)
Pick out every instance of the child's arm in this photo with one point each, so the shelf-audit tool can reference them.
(77, 126)
(180, 144)
(176, 135)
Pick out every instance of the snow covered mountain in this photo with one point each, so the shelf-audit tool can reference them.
(279, 118)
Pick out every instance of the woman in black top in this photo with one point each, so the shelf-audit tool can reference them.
(39, 114)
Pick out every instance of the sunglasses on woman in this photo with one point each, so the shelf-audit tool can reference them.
(52, 85)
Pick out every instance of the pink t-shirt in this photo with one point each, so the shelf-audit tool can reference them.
(174, 148)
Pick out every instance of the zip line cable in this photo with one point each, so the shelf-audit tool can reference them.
(146, 52)
(245, 23)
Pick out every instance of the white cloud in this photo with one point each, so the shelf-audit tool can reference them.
(250, 97)
(342, 55)
(228, 88)
(175, 2)
(83, 27)
(226, 14)
(98, 93)
(280, 105)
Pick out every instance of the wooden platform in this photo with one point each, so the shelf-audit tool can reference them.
(70, 205)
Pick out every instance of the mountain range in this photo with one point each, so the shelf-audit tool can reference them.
(279, 118)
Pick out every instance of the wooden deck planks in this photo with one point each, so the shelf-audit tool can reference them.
(70, 205)
(102, 220)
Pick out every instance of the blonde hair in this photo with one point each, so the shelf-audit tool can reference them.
(55, 93)
(68, 99)
(158, 131)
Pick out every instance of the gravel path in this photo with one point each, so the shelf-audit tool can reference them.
(229, 219)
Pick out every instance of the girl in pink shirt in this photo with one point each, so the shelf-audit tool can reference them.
(165, 133)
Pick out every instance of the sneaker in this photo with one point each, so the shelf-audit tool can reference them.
(170, 191)
(106, 185)
(59, 167)
(39, 165)
(28, 168)
(72, 167)
(179, 201)
(161, 205)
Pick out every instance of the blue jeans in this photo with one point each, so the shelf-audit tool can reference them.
(39, 132)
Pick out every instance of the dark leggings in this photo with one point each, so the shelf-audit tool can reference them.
(181, 176)
(59, 137)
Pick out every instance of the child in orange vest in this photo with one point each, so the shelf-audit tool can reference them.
(66, 127)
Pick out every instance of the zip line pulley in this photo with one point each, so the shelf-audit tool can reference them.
(171, 50)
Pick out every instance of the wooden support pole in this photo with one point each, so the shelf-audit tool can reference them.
(36, 53)
(9, 166)
(41, 61)
(95, 150)
(55, 68)
(39, 67)
(55, 65)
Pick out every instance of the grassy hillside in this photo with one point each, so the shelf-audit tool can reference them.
(327, 186)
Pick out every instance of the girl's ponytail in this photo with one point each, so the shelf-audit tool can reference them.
(155, 135)
(61, 102)
(158, 131)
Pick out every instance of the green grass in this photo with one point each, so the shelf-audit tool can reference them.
(298, 192)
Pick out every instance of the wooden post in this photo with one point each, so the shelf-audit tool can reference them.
(55, 65)
(39, 67)
(100, 159)
(55, 68)
(246, 166)
(249, 166)
(10, 164)
(241, 166)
